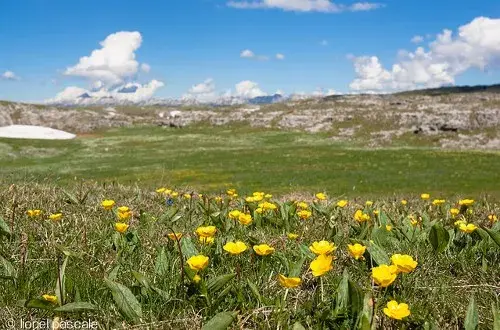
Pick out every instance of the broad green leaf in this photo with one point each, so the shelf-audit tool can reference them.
(141, 279)
(378, 254)
(161, 292)
(114, 273)
(439, 237)
(220, 321)
(365, 318)
(355, 298)
(125, 301)
(217, 283)
(39, 304)
(61, 282)
(495, 235)
(7, 270)
(342, 300)
(296, 268)
(471, 318)
(304, 249)
(161, 264)
(255, 291)
(75, 307)
(4, 228)
(379, 235)
(188, 248)
(298, 326)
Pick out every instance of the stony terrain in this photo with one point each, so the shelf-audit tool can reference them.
(463, 120)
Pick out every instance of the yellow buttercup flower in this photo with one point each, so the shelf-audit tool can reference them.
(425, 196)
(50, 298)
(123, 209)
(322, 247)
(493, 218)
(465, 202)
(267, 206)
(467, 228)
(376, 212)
(369, 203)
(438, 202)
(388, 227)
(454, 212)
(207, 231)
(108, 204)
(460, 222)
(187, 196)
(304, 214)
(263, 249)
(161, 190)
(396, 311)
(250, 199)
(218, 199)
(55, 216)
(234, 214)
(384, 275)
(321, 196)
(356, 251)
(174, 194)
(34, 213)
(292, 236)
(245, 219)
(231, 192)
(359, 216)
(302, 205)
(174, 237)
(268, 196)
(122, 216)
(404, 263)
(404, 202)
(342, 203)
(121, 227)
(198, 263)
(196, 279)
(235, 248)
(289, 282)
(321, 265)
(206, 240)
(259, 210)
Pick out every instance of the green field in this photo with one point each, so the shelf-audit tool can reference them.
(213, 158)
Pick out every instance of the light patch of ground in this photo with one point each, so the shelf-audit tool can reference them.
(34, 132)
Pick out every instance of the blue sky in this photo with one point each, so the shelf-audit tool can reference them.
(187, 41)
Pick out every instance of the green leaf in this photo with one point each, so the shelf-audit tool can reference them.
(298, 326)
(495, 235)
(439, 237)
(61, 282)
(125, 301)
(342, 300)
(496, 317)
(471, 318)
(220, 321)
(161, 292)
(296, 268)
(378, 254)
(255, 291)
(7, 270)
(4, 228)
(114, 273)
(161, 264)
(304, 249)
(67, 252)
(75, 307)
(141, 279)
(188, 248)
(216, 284)
(380, 235)
(39, 304)
(365, 318)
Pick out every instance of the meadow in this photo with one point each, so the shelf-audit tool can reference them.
(242, 228)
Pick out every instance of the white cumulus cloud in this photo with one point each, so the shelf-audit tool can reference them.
(9, 75)
(248, 89)
(280, 56)
(325, 6)
(113, 63)
(247, 53)
(475, 45)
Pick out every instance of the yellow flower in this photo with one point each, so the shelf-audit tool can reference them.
(231, 191)
(258, 198)
(369, 203)
(176, 236)
(196, 279)
(322, 247)
(321, 196)
(376, 212)
(208, 231)
(123, 209)
(359, 216)
(206, 240)
(124, 215)
(404, 202)
(121, 227)
(250, 199)
(34, 213)
(198, 263)
(321, 265)
(187, 196)
(259, 210)
(161, 190)
(454, 212)
(55, 216)
(268, 196)
(356, 251)
(425, 196)
(467, 228)
(200, 195)
(466, 202)
(263, 249)
(396, 311)
(292, 236)
(388, 227)
(234, 214)
(267, 206)
(302, 205)
(108, 204)
(289, 282)
(493, 218)
(304, 214)
(174, 194)
(438, 202)
(404, 263)
(49, 298)
(245, 219)
(460, 222)
(235, 248)
(218, 199)
(342, 203)
(413, 222)
(384, 275)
